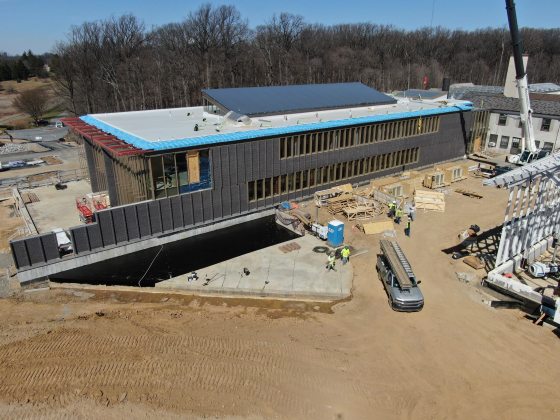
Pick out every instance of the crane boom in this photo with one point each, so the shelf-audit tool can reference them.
(526, 112)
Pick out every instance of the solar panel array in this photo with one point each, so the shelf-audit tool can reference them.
(274, 100)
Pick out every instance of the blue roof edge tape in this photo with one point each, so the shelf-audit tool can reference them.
(141, 143)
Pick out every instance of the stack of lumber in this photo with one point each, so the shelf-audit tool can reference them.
(359, 212)
(336, 205)
(429, 200)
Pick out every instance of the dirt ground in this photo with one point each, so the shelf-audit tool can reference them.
(108, 354)
(8, 113)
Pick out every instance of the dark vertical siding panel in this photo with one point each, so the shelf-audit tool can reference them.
(80, 239)
(19, 252)
(262, 158)
(50, 246)
(255, 159)
(232, 152)
(119, 222)
(207, 211)
(224, 170)
(107, 230)
(235, 207)
(177, 211)
(240, 163)
(188, 214)
(276, 156)
(144, 220)
(269, 143)
(198, 211)
(217, 203)
(132, 228)
(94, 236)
(243, 198)
(166, 215)
(217, 180)
(248, 156)
(155, 217)
(35, 250)
(226, 202)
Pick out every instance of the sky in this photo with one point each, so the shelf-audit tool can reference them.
(39, 24)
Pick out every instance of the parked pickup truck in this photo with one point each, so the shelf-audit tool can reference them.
(398, 279)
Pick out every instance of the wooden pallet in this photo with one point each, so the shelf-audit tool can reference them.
(29, 197)
(429, 200)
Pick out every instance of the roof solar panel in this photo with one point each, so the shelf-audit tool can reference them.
(270, 100)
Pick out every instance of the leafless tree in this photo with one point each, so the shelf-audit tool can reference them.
(118, 64)
(33, 102)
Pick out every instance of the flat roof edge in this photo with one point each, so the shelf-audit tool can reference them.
(263, 133)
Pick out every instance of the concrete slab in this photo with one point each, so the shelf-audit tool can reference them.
(299, 273)
(57, 208)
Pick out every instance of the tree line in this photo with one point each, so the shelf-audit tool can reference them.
(22, 67)
(118, 64)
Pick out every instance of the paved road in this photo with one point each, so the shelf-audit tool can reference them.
(42, 134)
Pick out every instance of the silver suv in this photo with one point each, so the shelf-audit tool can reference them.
(398, 279)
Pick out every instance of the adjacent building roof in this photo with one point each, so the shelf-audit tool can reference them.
(179, 128)
(459, 90)
(274, 100)
(541, 104)
(421, 94)
(544, 87)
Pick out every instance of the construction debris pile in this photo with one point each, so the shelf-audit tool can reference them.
(7, 148)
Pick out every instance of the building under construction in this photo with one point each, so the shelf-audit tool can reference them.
(245, 151)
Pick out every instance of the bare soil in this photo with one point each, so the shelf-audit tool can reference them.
(108, 354)
(9, 115)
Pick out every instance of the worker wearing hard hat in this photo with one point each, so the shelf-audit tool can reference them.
(331, 262)
(392, 209)
(398, 215)
(345, 254)
(407, 227)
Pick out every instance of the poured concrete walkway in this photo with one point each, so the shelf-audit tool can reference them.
(299, 273)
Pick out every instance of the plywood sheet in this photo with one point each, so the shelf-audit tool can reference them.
(374, 228)
(193, 163)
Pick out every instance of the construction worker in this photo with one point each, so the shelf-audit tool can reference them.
(412, 212)
(398, 215)
(407, 228)
(392, 208)
(331, 262)
(345, 255)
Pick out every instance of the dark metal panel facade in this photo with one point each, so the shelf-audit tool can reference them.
(119, 223)
(132, 228)
(177, 211)
(107, 228)
(144, 220)
(166, 215)
(79, 236)
(233, 166)
(155, 217)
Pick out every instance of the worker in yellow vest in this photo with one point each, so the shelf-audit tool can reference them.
(345, 255)
(398, 215)
(392, 208)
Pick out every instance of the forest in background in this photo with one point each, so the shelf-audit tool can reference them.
(118, 64)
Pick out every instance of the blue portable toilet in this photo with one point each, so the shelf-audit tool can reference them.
(335, 235)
